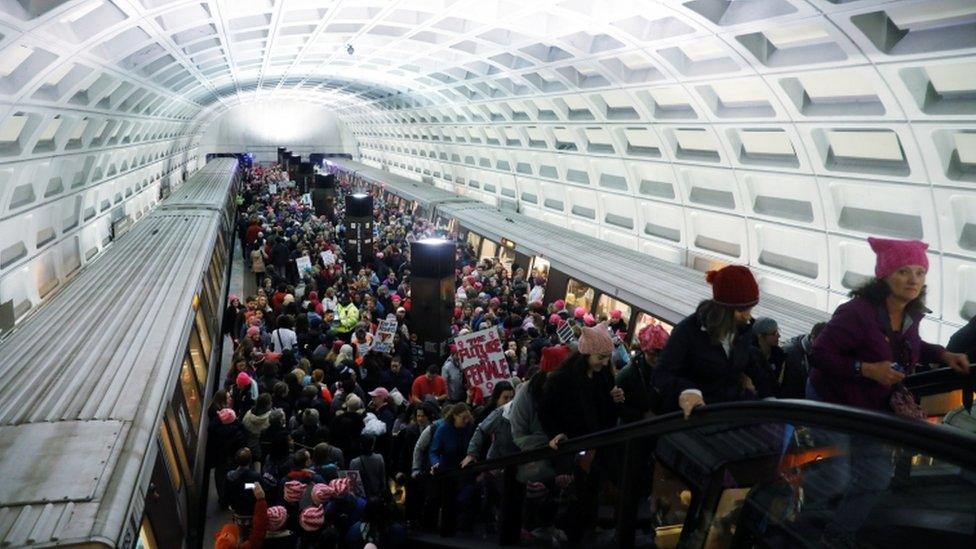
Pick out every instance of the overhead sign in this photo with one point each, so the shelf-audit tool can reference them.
(482, 359)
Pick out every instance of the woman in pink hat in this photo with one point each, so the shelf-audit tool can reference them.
(870, 344)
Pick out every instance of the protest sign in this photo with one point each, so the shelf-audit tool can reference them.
(355, 482)
(383, 342)
(273, 188)
(304, 264)
(565, 333)
(482, 359)
(328, 258)
(307, 199)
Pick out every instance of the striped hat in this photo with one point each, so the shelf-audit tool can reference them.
(312, 518)
(277, 516)
(321, 493)
(293, 491)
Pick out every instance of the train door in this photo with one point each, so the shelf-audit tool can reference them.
(162, 525)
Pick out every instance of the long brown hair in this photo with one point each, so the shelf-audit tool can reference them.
(877, 290)
(718, 320)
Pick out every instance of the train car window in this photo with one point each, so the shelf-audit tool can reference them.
(578, 295)
(507, 257)
(475, 240)
(147, 540)
(179, 447)
(191, 394)
(488, 249)
(671, 499)
(643, 319)
(198, 358)
(169, 456)
(607, 303)
(540, 267)
(204, 332)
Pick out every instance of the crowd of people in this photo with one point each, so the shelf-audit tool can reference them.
(317, 439)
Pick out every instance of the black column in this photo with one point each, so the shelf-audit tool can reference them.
(432, 295)
(324, 195)
(359, 229)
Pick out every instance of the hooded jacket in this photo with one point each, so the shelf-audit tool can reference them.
(860, 331)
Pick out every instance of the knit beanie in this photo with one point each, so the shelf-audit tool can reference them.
(764, 326)
(616, 314)
(340, 486)
(595, 340)
(277, 516)
(253, 331)
(579, 312)
(226, 416)
(243, 380)
(588, 319)
(293, 491)
(895, 254)
(552, 357)
(652, 337)
(733, 286)
(312, 518)
(322, 493)
(559, 304)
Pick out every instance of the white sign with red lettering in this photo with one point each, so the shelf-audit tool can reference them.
(482, 359)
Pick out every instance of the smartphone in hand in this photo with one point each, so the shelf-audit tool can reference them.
(248, 485)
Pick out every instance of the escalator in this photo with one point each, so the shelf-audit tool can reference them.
(752, 474)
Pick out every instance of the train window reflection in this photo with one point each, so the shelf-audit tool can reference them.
(578, 295)
(607, 303)
(488, 249)
(507, 257)
(475, 240)
(540, 267)
(146, 538)
(179, 448)
(643, 319)
(204, 333)
(198, 357)
(191, 394)
(169, 456)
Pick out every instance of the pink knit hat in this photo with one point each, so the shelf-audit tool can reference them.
(579, 312)
(312, 518)
(559, 303)
(588, 319)
(652, 337)
(595, 340)
(340, 486)
(226, 416)
(322, 493)
(243, 380)
(895, 254)
(293, 491)
(616, 314)
(253, 331)
(277, 516)
(554, 319)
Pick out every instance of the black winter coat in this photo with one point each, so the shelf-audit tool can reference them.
(575, 404)
(691, 360)
(640, 393)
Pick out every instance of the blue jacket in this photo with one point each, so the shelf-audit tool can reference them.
(449, 445)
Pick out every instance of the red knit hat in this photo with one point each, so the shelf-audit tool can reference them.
(733, 286)
(552, 357)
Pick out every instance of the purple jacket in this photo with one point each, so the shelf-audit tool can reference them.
(856, 332)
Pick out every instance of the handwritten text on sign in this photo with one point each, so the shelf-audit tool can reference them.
(482, 359)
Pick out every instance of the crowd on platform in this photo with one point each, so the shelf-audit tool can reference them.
(319, 440)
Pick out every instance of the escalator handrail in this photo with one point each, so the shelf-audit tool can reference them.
(942, 380)
(938, 441)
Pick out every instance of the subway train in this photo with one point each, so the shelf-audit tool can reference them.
(584, 270)
(102, 419)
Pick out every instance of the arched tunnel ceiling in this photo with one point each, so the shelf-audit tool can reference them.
(778, 133)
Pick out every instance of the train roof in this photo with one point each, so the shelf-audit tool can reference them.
(87, 379)
(420, 192)
(207, 188)
(664, 289)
